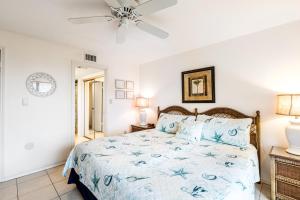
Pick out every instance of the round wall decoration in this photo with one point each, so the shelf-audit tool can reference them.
(41, 84)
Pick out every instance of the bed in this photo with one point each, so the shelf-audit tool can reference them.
(152, 165)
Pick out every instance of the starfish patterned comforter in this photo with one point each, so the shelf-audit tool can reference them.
(151, 165)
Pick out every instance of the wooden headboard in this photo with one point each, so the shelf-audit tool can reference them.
(224, 113)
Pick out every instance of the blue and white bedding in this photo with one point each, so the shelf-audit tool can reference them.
(151, 165)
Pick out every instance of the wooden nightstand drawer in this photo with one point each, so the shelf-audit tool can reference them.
(290, 170)
(135, 128)
(287, 191)
(285, 175)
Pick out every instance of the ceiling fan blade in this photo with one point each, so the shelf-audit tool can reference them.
(152, 30)
(114, 3)
(94, 19)
(121, 33)
(154, 6)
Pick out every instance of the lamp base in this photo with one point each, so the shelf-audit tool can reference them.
(294, 151)
(143, 117)
(293, 137)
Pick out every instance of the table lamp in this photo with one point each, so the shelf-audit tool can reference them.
(289, 105)
(142, 103)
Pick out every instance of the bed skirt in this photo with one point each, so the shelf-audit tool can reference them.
(85, 192)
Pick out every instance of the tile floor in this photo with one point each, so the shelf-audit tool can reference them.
(44, 185)
(51, 185)
(80, 139)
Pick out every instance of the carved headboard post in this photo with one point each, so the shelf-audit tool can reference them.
(176, 110)
(158, 112)
(196, 112)
(257, 122)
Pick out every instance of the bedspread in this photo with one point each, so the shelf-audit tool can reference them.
(151, 165)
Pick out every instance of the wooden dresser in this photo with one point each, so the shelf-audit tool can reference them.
(135, 128)
(285, 175)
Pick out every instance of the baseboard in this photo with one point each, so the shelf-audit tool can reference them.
(31, 172)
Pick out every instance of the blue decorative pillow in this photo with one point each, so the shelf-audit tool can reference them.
(190, 130)
(169, 123)
(234, 132)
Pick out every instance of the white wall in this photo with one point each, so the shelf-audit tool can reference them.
(250, 71)
(1, 114)
(122, 112)
(48, 122)
(45, 122)
(119, 114)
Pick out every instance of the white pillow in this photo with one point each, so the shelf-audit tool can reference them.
(234, 132)
(190, 130)
(169, 123)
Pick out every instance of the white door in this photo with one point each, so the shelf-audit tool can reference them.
(98, 106)
(88, 129)
(93, 92)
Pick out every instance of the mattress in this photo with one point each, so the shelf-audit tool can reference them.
(152, 165)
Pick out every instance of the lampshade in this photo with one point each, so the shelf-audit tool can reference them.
(142, 102)
(288, 104)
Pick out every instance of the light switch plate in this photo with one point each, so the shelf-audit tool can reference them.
(25, 101)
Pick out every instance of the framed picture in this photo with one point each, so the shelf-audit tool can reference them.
(119, 84)
(198, 86)
(120, 94)
(129, 95)
(129, 85)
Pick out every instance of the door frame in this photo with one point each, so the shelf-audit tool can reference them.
(93, 80)
(74, 64)
(2, 71)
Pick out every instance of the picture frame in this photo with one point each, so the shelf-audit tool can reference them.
(198, 86)
(129, 95)
(120, 84)
(130, 85)
(120, 94)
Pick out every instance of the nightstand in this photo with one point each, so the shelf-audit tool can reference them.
(135, 128)
(285, 175)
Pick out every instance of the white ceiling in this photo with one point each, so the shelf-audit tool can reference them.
(191, 24)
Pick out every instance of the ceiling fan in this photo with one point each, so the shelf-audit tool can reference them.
(126, 11)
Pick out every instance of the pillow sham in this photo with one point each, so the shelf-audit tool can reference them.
(169, 123)
(190, 130)
(234, 132)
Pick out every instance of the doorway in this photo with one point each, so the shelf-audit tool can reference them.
(93, 106)
(89, 103)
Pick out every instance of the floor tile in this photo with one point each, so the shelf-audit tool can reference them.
(63, 187)
(80, 139)
(33, 185)
(45, 193)
(31, 176)
(8, 193)
(265, 192)
(55, 174)
(55, 169)
(73, 195)
(8, 183)
(257, 191)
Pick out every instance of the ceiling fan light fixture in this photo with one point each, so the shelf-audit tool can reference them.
(124, 21)
(124, 13)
